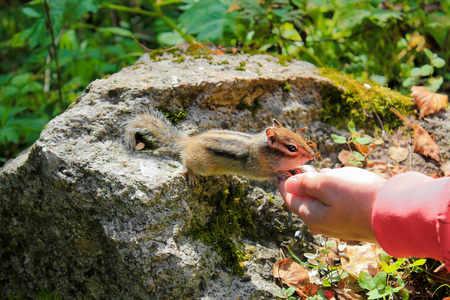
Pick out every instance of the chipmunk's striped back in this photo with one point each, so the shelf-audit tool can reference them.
(262, 156)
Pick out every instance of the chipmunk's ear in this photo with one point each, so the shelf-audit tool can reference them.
(271, 136)
(277, 124)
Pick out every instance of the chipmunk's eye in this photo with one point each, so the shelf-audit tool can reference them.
(291, 148)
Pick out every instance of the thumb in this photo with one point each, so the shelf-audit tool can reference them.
(303, 206)
(306, 184)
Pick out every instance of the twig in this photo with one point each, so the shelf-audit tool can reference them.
(381, 123)
(53, 51)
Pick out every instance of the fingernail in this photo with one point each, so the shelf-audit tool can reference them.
(291, 185)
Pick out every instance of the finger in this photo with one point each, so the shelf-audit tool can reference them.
(306, 184)
(307, 168)
(310, 210)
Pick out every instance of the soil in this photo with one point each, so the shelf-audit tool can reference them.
(386, 164)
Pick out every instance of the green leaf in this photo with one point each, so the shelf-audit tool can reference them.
(170, 38)
(17, 40)
(358, 156)
(438, 62)
(40, 35)
(383, 15)
(31, 12)
(426, 70)
(374, 294)
(338, 139)
(116, 30)
(9, 134)
(415, 72)
(362, 140)
(289, 291)
(206, 19)
(352, 18)
(330, 244)
(435, 83)
(418, 262)
(278, 294)
(429, 53)
(380, 280)
(366, 281)
(351, 126)
(356, 163)
(325, 251)
(408, 82)
(391, 268)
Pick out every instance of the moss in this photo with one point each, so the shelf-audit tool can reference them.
(223, 62)
(175, 117)
(241, 66)
(283, 60)
(179, 59)
(230, 222)
(367, 104)
(287, 87)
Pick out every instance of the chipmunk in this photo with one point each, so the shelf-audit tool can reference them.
(272, 153)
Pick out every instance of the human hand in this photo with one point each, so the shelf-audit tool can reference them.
(334, 202)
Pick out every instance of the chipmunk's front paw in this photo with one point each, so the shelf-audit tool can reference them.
(282, 176)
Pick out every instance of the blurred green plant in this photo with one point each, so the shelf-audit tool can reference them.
(52, 49)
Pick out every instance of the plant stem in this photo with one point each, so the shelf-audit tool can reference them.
(53, 51)
(171, 24)
(157, 13)
(129, 9)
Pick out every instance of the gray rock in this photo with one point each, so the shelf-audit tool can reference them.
(83, 216)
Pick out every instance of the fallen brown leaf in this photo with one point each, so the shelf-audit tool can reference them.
(398, 154)
(310, 289)
(395, 169)
(363, 149)
(378, 168)
(362, 258)
(292, 273)
(344, 156)
(348, 294)
(423, 143)
(428, 102)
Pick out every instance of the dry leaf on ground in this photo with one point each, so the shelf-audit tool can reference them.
(362, 258)
(394, 169)
(428, 102)
(378, 168)
(344, 157)
(423, 143)
(292, 273)
(348, 294)
(398, 154)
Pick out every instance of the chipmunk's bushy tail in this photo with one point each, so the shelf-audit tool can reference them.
(152, 126)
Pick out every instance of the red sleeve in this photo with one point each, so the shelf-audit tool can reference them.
(411, 217)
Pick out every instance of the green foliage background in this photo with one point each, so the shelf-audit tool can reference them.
(51, 50)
